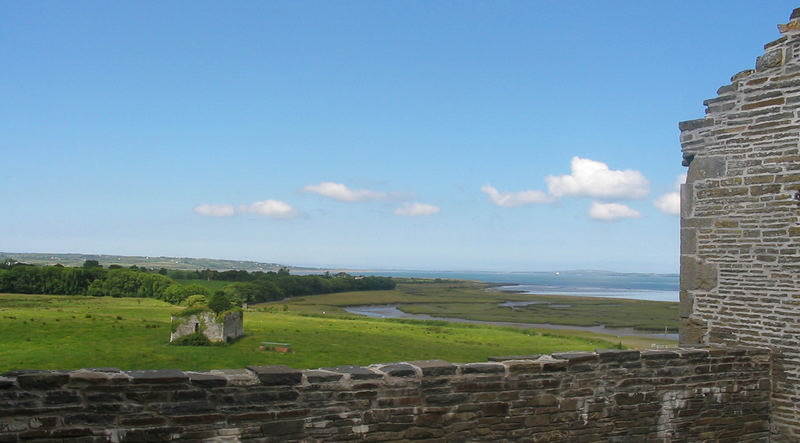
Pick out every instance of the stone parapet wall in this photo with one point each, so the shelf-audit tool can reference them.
(740, 219)
(682, 394)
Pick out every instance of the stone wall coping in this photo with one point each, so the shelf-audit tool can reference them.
(281, 375)
(355, 372)
(397, 369)
(157, 376)
(322, 376)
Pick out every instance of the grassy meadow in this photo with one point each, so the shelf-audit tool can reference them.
(68, 332)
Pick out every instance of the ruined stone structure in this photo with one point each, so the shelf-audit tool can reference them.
(224, 328)
(676, 395)
(740, 220)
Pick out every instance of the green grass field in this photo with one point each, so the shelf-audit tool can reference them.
(211, 285)
(68, 332)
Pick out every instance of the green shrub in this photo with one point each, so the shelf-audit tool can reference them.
(196, 339)
(192, 300)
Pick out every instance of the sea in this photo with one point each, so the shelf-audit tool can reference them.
(636, 286)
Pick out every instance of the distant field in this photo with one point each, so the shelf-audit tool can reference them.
(211, 285)
(470, 300)
(67, 332)
(184, 263)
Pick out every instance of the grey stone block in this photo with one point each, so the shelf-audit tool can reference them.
(483, 368)
(207, 380)
(277, 375)
(659, 355)
(687, 200)
(696, 274)
(690, 125)
(769, 60)
(355, 372)
(398, 370)
(576, 357)
(688, 241)
(158, 376)
(431, 368)
(686, 306)
(606, 355)
(7, 383)
(318, 376)
(42, 379)
(691, 332)
(706, 167)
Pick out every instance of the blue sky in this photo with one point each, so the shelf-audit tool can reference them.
(439, 135)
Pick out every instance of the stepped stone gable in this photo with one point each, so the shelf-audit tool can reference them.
(740, 219)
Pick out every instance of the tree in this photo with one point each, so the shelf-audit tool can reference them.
(176, 293)
(91, 264)
(219, 302)
(8, 263)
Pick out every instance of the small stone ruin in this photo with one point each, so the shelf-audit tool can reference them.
(217, 328)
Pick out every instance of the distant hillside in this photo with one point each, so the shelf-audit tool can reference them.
(183, 263)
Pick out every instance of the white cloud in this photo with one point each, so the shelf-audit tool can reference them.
(416, 209)
(611, 211)
(270, 208)
(591, 178)
(214, 210)
(342, 193)
(670, 203)
(509, 199)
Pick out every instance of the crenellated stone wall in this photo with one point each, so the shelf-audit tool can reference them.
(715, 394)
(740, 219)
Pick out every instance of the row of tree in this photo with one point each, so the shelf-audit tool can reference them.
(92, 279)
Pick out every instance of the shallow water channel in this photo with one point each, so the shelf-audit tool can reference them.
(392, 311)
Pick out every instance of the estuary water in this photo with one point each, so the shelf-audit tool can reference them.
(637, 286)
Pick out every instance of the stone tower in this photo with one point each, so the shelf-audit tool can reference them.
(740, 220)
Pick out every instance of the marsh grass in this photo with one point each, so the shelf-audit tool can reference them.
(475, 301)
(472, 301)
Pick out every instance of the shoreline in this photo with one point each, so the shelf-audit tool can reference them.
(393, 311)
(654, 295)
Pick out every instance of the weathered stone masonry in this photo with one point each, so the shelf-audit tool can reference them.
(740, 219)
(626, 396)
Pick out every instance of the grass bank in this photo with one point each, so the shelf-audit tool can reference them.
(68, 332)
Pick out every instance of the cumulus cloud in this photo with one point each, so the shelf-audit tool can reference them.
(214, 210)
(670, 203)
(509, 199)
(416, 209)
(342, 193)
(270, 208)
(611, 211)
(591, 178)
